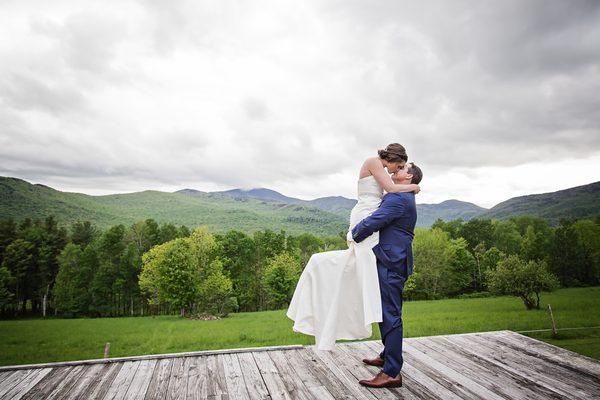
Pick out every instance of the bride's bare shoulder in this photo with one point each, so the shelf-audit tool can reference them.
(370, 161)
(367, 167)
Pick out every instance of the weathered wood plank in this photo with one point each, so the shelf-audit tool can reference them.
(236, 387)
(409, 384)
(351, 361)
(451, 374)
(276, 389)
(4, 375)
(343, 376)
(100, 385)
(64, 386)
(177, 387)
(307, 375)
(583, 384)
(197, 387)
(440, 391)
(253, 378)
(26, 383)
(80, 387)
(492, 365)
(118, 389)
(577, 362)
(11, 381)
(495, 378)
(311, 362)
(355, 352)
(512, 365)
(291, 378)
(141, 380)
(47, 385)
(328, 378)
(146, 357)
(499, 368)
(159, 382)
(416, 360)
(215, 376)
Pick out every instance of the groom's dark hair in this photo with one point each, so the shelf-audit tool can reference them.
(416, 173)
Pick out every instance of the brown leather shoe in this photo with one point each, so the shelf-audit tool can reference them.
(382, 380)
(376, 362)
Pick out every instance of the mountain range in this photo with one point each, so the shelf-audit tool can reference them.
(257, 209)
(580, 202)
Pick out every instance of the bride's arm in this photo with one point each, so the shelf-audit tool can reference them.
(385, 181)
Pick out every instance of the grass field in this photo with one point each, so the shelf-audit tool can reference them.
(37, 340)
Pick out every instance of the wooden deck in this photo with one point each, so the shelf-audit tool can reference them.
(490, 365)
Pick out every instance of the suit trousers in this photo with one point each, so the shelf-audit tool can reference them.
(391, 285)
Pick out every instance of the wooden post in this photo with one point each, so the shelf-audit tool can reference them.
(554, 333)
(45, 301)
(106, 349)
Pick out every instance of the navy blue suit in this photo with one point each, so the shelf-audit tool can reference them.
(395, 220)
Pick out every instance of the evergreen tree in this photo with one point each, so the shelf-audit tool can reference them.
(8, 233)
(6, 284)
(70, 292)
(83, 233)
(20, 261)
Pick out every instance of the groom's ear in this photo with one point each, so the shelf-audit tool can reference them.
(409, 176)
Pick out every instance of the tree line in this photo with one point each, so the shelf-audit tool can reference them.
(147, 268)
(522, 256)
(150, 268)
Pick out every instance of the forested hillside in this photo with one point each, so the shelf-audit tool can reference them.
(20, 199)
(578, 202)
(258, 209)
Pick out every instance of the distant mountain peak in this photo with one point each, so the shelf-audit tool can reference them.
(189, 191)
(447, 210)
(260, 194)
(454, 203)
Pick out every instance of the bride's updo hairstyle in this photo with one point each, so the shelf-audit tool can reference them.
(394, 152)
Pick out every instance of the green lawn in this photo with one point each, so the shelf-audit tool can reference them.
(36, 340)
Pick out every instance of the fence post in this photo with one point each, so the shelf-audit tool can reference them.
(106, 349)
(554, 333)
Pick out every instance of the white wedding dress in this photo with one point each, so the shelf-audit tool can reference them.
(337, 295)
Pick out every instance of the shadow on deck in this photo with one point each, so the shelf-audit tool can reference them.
(488, 365)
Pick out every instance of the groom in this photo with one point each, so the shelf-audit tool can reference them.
(395, 220)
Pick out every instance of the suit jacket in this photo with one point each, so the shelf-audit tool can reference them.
(395, 220)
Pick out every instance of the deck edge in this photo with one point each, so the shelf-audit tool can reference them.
(148, 357)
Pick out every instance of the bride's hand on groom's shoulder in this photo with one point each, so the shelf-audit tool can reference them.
(417, 189)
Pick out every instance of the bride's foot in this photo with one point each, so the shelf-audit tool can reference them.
(376, 362)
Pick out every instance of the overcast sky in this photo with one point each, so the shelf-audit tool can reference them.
(493, 99)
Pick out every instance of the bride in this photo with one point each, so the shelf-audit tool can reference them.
(337, 295)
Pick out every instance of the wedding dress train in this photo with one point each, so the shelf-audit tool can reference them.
(337, 295)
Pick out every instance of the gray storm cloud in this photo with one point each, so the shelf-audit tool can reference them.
(291, 95)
